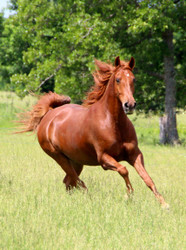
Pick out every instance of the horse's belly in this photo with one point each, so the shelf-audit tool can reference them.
(77, 150)
(82, 157)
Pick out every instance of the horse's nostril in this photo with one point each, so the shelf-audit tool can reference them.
(126, 105)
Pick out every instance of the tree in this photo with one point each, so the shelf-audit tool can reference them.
(168, 128)
(158, 22)
(12, 48)
(63, 45)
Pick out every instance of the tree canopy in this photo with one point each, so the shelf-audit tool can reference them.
(51, 45)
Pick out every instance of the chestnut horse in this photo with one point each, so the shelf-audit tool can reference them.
(95, 133)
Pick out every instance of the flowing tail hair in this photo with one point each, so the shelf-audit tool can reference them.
(31, 119)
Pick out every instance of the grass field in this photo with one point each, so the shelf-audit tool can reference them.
(37, 213)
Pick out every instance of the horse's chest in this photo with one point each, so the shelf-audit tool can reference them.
(113, 147)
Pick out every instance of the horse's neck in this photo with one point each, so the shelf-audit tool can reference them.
(110, 103)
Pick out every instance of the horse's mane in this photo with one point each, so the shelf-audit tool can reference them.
(101, 78)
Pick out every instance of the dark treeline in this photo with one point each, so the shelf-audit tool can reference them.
(51, 45)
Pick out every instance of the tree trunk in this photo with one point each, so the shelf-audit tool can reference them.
(168, 128)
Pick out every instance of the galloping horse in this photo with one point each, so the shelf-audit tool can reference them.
(95, 133)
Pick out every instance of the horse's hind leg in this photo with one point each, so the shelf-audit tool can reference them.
(78, 168)
(71, 178)
(72, 171)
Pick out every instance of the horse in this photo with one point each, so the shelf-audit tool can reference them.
(98, 132)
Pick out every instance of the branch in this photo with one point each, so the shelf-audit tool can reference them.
(160, 76)
(176, 1)
(49, 77)
(148, 36)
(89, 30)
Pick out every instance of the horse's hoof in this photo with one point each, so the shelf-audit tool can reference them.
(127, 197)
(165, 206)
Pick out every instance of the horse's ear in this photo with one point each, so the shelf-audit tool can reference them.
(102, 66)
(132, 63)
(117, 61)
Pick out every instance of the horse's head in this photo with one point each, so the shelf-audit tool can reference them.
(124, 84)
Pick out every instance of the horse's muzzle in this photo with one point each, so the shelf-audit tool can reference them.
(128, 107)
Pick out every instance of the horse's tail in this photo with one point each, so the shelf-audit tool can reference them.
(31, 119)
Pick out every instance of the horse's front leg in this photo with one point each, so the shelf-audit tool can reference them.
(137, 161)
(109, 163)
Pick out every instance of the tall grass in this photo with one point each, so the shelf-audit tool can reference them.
(37, 213)
(10, 104)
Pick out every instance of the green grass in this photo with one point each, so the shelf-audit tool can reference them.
(10, 104)
(37, 213)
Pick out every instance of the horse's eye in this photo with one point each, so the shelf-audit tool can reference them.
(117, 80)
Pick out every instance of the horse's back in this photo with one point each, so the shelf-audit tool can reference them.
(61, 113)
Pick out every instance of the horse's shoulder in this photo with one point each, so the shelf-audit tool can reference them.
(129, 136)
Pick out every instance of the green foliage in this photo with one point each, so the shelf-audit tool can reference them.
(147, 27)
(13, 45)
(60, 39)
